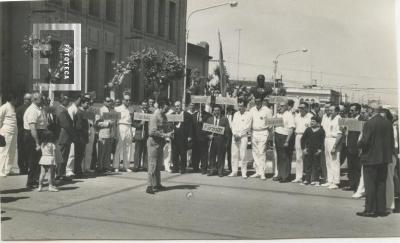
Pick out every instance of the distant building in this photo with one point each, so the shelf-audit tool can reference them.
(198, 58)
(110, 28)
(319, 95)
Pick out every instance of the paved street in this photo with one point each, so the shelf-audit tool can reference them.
(115, 206)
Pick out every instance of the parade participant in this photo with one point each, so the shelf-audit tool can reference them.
(72, 110)
(315, 109)
(301, 121)
(124, 131)
(23, 167)
(90, 154)
(259, 134)
(324, 123)
(217, 147)
(105, 137)
(117, 102)
(229, 115)
(200, 139)
(152, 107)
(240, 127)
(353, 153)
(82, 139)
(183, 133)
(35, 123)
(191, 110)
(312, 145)
(47, 161)
(9, 130)
(333, 140)
(155, 145)
(282, 139)
(167, 147)
(377, 144)
(141, 136)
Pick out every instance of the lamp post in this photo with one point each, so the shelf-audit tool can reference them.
(232, 5)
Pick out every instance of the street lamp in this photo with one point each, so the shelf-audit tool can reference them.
(232, 5)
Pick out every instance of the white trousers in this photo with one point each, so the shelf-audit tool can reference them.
(238, 153)
(88, 151)
(124, 146)
(332, 162)
(69, 168)
(9, 153)
(390, 185)
(259, 147)
(167, 156)
(299, 157)
(361, 188)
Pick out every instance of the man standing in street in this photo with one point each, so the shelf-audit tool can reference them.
(82, 132)
(124, 134)
(155, 145)
(141, 136)
(301, 121)
(240, 127)
(200, 146)
(72, 110)
(105, 138)
(182, 136)
(377, 145)
(9, 130)
(282, 138)
(22, 159)
(259, 129)
(217, 147)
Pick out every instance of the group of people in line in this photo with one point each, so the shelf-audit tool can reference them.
(65, 141)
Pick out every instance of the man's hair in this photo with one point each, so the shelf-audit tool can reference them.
(315, 105)
(11, 96)
(316, 118)
(305, 104)
(217, 106)
(162, 102)
(337, 108)
(84, 100)
(357, 106)
(290, 102)
(240, 101)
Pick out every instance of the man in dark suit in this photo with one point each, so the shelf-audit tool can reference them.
(217, 147)
(377, 145)
(66, 134)
(22, 160)
(353, 155)
(141, 136)
(182, 136)
(82, 138)
(200, 140)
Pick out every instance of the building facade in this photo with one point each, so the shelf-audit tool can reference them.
(319, 95)
(111, 29)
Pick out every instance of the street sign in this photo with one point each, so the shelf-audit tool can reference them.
(140, 116)
(226, 101)
(111, 115)
(277, 99)
(198, 99)
(353, 125)
(175, 118)
(213, 128)
(274, 122)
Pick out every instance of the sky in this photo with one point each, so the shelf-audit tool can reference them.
(351, 44)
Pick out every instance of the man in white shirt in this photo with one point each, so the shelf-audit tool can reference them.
(105, 138)
(259, 114)
(282, 137)
(8, 129)
(241, 124)
(332, 150)
(301, 121)
(124, 135)
(324, 124)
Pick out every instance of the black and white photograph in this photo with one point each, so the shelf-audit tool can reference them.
(199, 120)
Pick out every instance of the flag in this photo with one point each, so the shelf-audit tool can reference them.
(221, 68)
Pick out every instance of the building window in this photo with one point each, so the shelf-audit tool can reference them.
(172, 17)
(110, 10)
(94, 7)
(93, 70)
(108, 67)
(137, 14)
(75, 4)
(161, 18)
(150, 16)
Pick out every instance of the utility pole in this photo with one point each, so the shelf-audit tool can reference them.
(238, 57)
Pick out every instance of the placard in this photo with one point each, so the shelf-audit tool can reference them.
(175, 118)
(198, 99)
(352, 125)
(226, 101)
(277, 99)
(274, 122)
(140, 116)
(213, 128)
(111, 115)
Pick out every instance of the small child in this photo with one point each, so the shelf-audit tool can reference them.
(312, 144)
(47, 160)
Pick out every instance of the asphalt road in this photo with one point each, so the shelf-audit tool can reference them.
(195, 206)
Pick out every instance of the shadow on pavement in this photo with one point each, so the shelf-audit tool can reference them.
(11, 199)
(23, 189)
(180, 187)
(62, 183)
(5, 218)
(67, 188)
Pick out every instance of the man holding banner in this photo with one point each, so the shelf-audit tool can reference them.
(200, 139)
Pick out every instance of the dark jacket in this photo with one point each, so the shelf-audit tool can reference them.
(20, 111)
(223, 122)
(66, 131)
(312, 141)
(352, 139)
(377, 141)
(185, 130)
(82, 127)
(198, 133)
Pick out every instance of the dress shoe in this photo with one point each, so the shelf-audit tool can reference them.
(263, 177)
(333, 187)
(358, 195)
(297, 181)
(221, 175)
(66, 178)
(254, 175)
(326, 184)
(232, 174)
(135, 169)
(203, 172)
(304, 183)
(150, 190)
(347, 188)
(183, 172)
(244, 177)
(284, 181)
(53, 189)
(383, 214)
(275, 178)
(116, 170)
(366, 214)
(128, 170)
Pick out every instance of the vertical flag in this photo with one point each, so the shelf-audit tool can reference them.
(221, 68)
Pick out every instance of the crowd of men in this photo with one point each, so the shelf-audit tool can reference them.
(309, 132)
